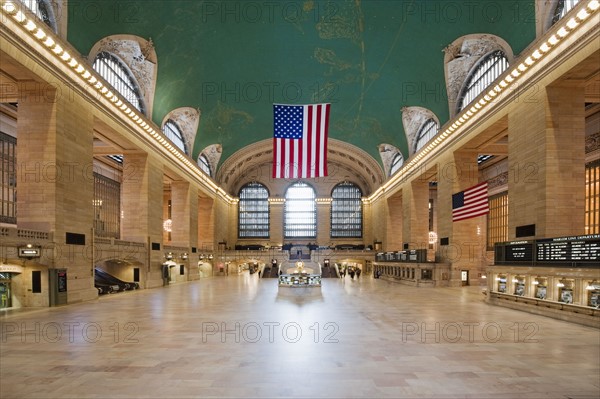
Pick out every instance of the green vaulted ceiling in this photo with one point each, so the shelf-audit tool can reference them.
(233, 59)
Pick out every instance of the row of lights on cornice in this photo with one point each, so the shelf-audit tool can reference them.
(209, 256)
(44, 37)
(49, 40)
(510, 78)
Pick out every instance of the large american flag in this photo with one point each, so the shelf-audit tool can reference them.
(470, 203)
(300, 140)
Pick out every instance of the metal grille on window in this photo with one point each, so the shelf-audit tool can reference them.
(396, 163)
(497, 220)
(592, 198)
(487, 71)
(8, 179)
(562, 8)
(107, 207)
(173, 133)
(204, 165)
(346, 211)
(116, 74)
(253, 211)
(43, 10)
(428, 130)
(300, 212)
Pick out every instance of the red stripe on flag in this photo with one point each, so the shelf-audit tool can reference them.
(475, 203)
(305, 157)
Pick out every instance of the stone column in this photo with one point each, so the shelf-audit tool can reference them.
(54, 177)
(466, 248)
(206, 226)
(276, 229)
(323, 223)
(394, 225)
(415, 220)
(546, 141)
(142, 207)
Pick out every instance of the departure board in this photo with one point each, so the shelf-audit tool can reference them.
(569, 249)
(561, 251)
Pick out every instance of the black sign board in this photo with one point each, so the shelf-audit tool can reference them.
(567, 251)
(519, 251)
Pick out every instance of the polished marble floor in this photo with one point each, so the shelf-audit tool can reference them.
(241, 337)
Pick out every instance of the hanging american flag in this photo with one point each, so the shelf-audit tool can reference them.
(300, 140)
(470, 203)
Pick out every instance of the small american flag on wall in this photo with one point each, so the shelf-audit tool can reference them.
(300, 140)
(470, 203)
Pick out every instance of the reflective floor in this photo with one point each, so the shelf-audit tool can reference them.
(240, 337)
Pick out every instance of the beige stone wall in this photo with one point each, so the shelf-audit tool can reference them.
(54, 156)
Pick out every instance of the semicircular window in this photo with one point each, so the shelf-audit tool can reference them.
(114, 71)
(562, 8)
(204, 164)
(427, 131)
(173, 133)
(483, 74)
(397, 163)
(253, 211)
(346, 211)
(43, 10)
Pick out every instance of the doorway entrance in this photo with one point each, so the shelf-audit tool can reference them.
(5, 293)
(464, 277)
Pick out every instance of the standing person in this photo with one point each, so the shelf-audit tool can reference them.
(351, 271)
(358, 271)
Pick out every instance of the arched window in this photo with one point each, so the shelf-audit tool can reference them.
(562, 8)
(43, 10)
(396, 163)
(483, 74)
(346, 211)
(114, 71)
(204, 165)
(173, 133)
(300, 212)
(253, 211)
(428, 130)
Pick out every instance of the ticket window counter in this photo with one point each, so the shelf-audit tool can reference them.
(541, 286)
(519, 285)
(565, 290)
(501, 283)
(593, 295)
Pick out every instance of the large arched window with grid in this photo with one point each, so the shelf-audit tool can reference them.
(43, 10)
(253, 211)
(114, 71)
(427, 131)
(173, 133)
(483, 74)
(397, 163)
(204, 164)
(562, 8)
(346, 211)
(300, 212)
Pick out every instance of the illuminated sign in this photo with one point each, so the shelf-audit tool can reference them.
(30, 252)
